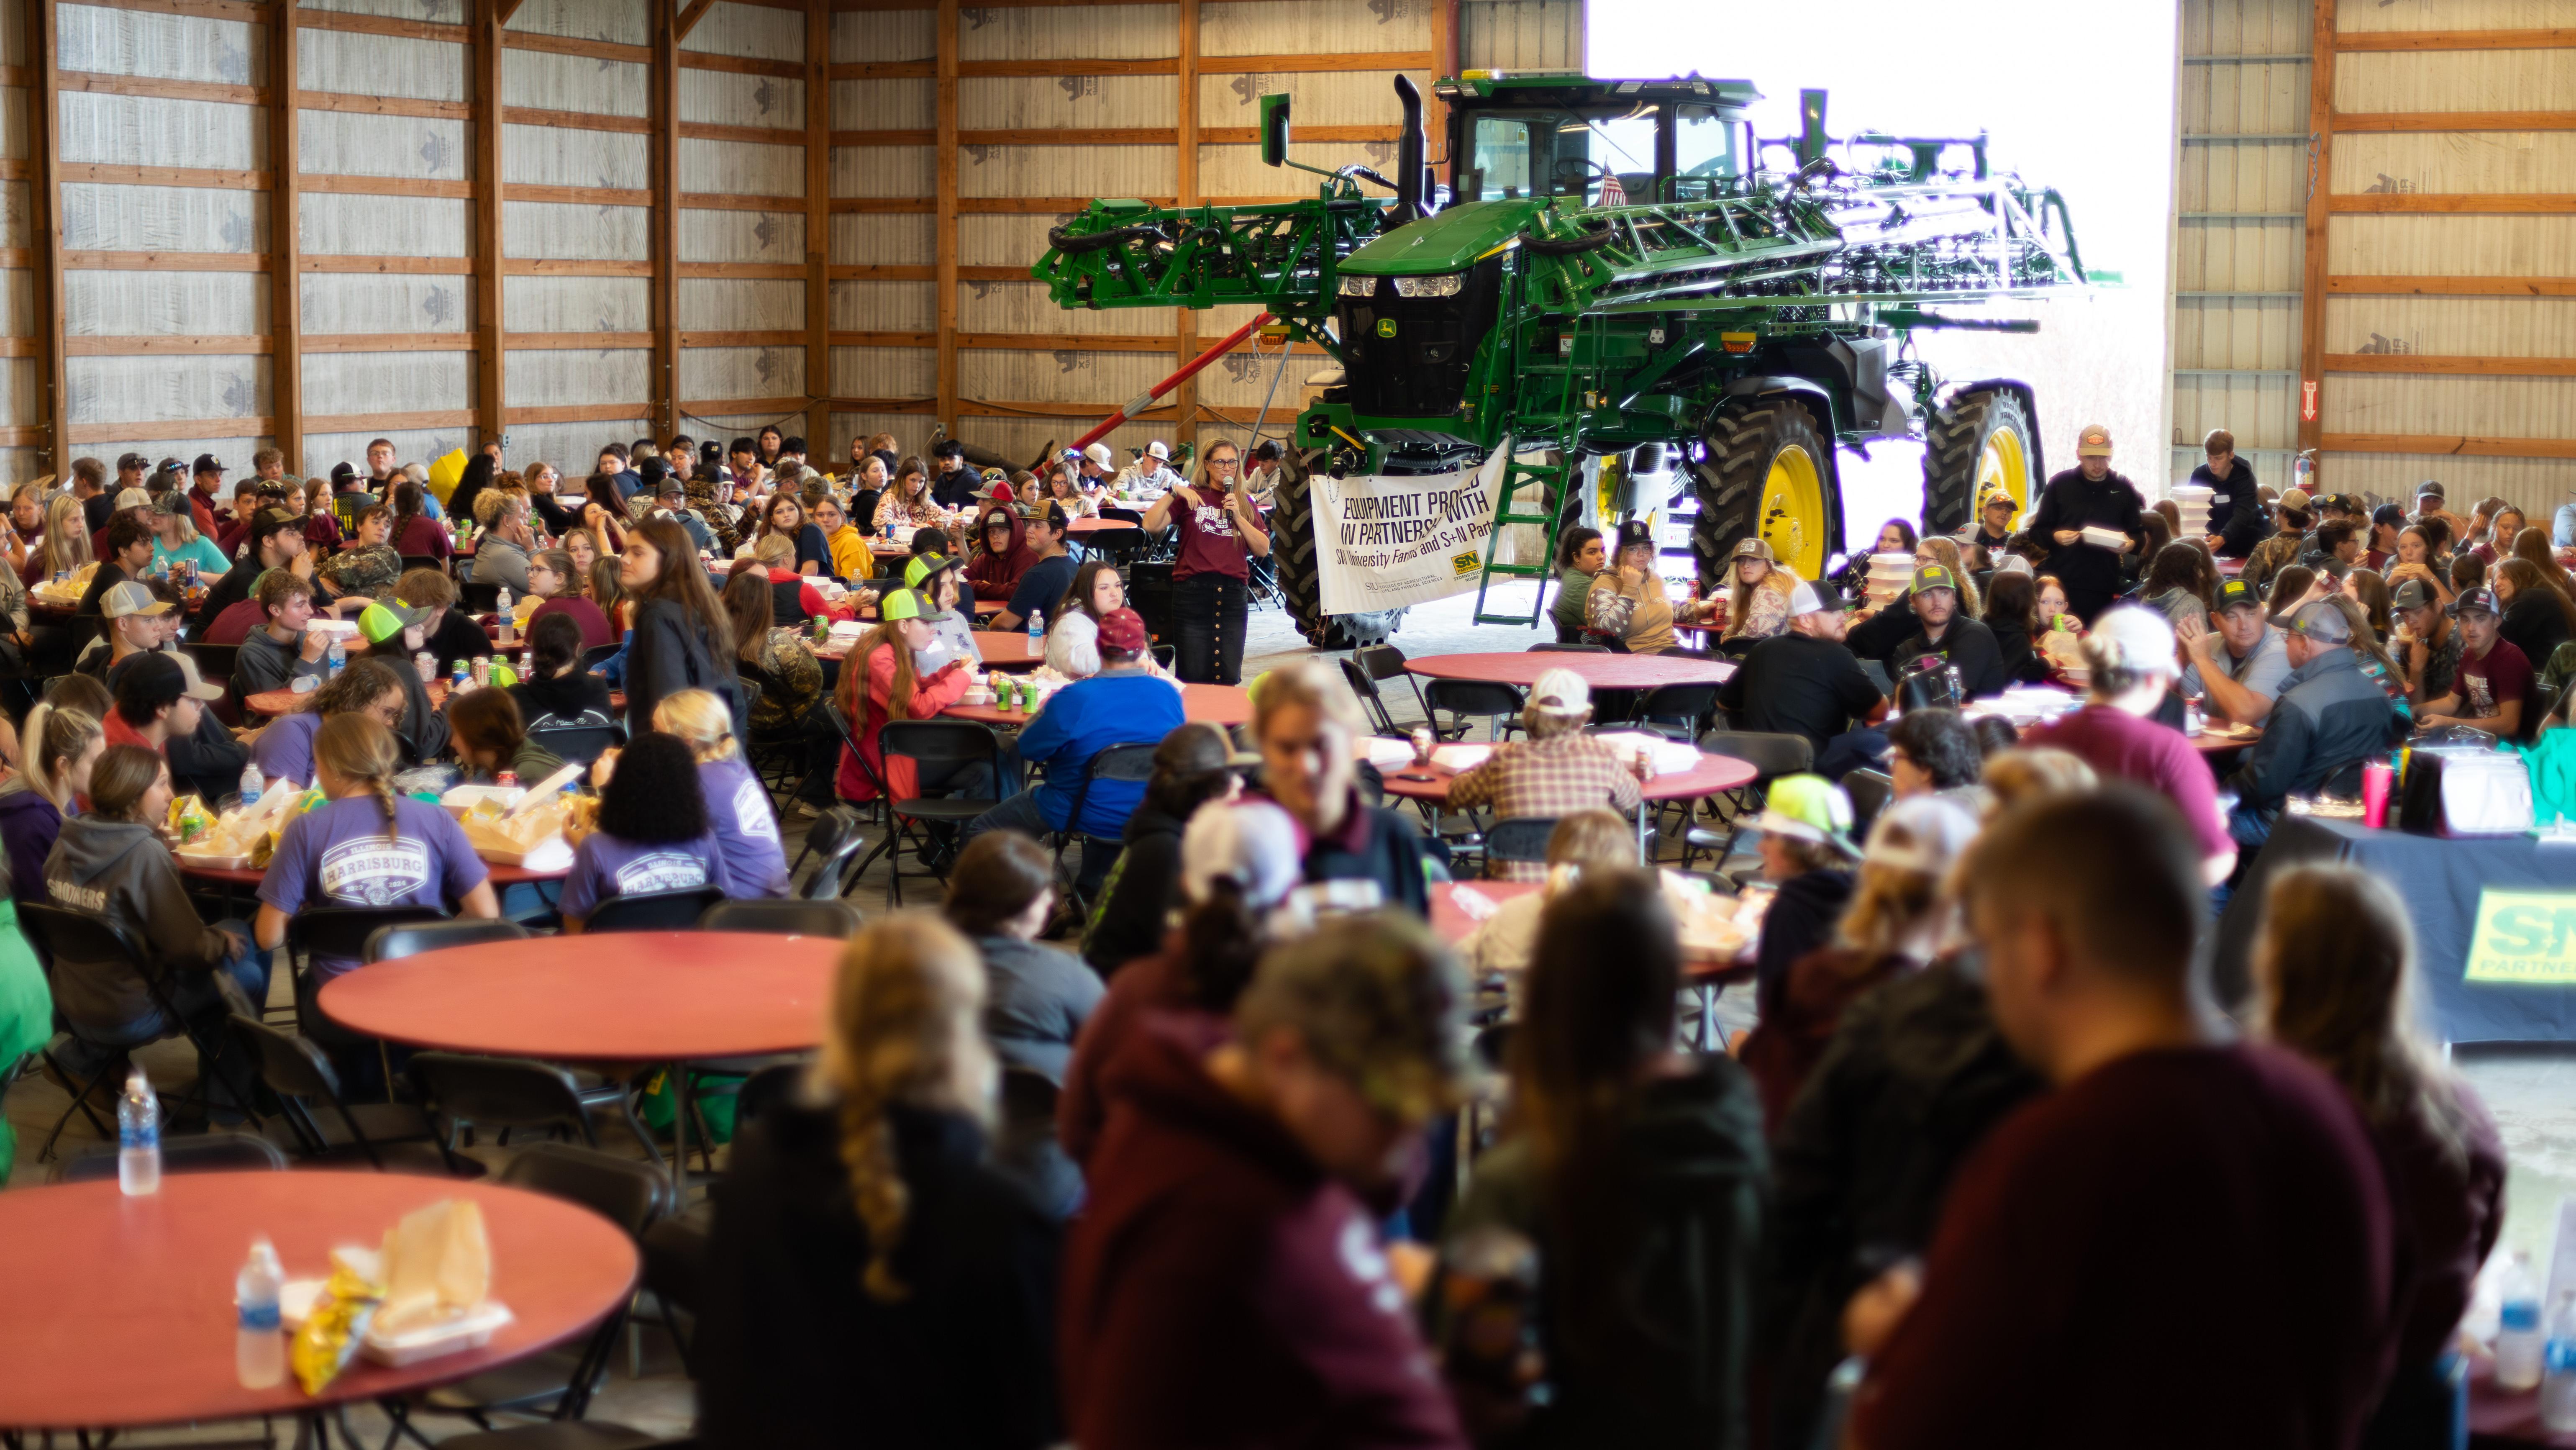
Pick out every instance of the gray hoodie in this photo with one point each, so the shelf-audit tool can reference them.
(122, 871)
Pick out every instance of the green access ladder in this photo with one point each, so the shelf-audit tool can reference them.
(1552, 482)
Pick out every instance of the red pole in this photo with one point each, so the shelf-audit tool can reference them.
(1188, 370)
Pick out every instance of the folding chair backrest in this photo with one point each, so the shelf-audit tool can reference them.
(653, 911)
(1870, 791)
(570, 743)
(1519, 838)
(789, 917)
(1770, 755)
(498, 1092)
(394, 942)
(431, 562)
(1472, 700)
(1679, 704)
(343, 931)
(291, 1066)
(938, 742)
(833, 838)
(479, 597)
(1569, 649)
(1366, 688)
(195, 1153)
(215, 662)
(597, 655)
(628, 1192)
(86, 955)
(1382, 661)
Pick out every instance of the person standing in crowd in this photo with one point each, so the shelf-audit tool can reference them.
(681, 638)
(1639, 1176)
(1896, 922)
(1226, 1286)
(1580, 558)
(2240, 667)
(750, 862)
(1964, 642)
(1807, 856)
(865, 1264)
(1138, 901)
(2336, 976)
(1305, 724)
(2231, 485)
(2130, 654)
(1626, 603)
(2492, 682)
(1803, 681)
(2087, 496)
(1218, 532)
(1558, 770)
(2210, 1219)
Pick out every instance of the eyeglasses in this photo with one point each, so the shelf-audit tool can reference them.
(1221, 463)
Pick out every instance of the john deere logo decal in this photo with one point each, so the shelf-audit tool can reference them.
(1462, 565)
(1386, 327)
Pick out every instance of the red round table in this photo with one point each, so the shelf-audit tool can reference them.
(125, 1314)
(287, 702)
(1600, 671)
(1714, 773)
(1451, 921)
(502, 876)
(1202, 704)
(1100, 526)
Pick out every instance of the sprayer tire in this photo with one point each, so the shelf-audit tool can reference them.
(1292, 548)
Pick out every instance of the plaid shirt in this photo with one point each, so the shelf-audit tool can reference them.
(1547, 778)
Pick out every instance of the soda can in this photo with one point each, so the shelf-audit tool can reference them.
(482, 670)
(425, 665)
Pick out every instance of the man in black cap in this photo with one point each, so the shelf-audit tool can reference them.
(2329, 718)
(205, 500)
(952, 483)
(2240, 666)
(671, 501)
(132, 469)
(2491, 689)
(1043, 582)
(1967, 644)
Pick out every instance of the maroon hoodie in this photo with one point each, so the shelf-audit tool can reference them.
(993, 575)
(1221, 1290)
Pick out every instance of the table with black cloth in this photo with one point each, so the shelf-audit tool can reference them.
(2440, 880)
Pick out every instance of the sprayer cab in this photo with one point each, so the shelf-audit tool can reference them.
(1600, 142)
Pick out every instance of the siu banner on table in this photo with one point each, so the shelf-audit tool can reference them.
(1383, 542)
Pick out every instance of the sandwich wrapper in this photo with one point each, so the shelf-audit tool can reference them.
(528, 831)
(243, 837)
(1710, 928)
(70, 590)
(426, 1293)
(1671, 757)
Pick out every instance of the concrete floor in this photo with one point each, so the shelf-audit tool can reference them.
(2531, 1092)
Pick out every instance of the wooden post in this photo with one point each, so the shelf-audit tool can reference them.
(285, 281)
(1185, 322)
(818, 235)
(44, 116)
(490, 362)
(1444, 66)
(2312, 271)
(944, 214)
(662, 241)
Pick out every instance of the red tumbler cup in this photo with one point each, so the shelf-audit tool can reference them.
(2378, 777)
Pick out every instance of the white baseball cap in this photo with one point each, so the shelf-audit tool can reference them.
(1805, 600)
(1100, 455)
(1561, 692)
(1157, 450)
(1924, 835)
(2133, 638)
(1251, 843)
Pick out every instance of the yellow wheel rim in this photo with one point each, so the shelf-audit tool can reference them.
(1792, 519)
(2003, 469)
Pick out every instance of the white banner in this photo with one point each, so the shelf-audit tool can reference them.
(1386, 541)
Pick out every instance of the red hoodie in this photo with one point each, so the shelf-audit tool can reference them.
(996, 575)
(1220, 1290)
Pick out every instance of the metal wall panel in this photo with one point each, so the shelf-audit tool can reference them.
(415, 148)
(891, 239)
(2492, 327)
(741, 168)
(566, 156)
(885, 372)
(2480, 161)
(1288, 27)
(2453, 246)
(2237, 332)
(883, 35)
(2454, 80)
(1318, 98)
(1007, 102)
(554, 82)
(755, 31)
(1024, 307)
(1049, 32)
(1009, 241)
(557, 377)
(891, 171)
(742, 236)
(573, 448)
(346, 302)
(321, 450)
(998, 375)
(738, 100)
(1237, 170)
(742, 372)
(730, 305)
(576, 304)
(149, 131)
(887, 105)
(627, 22)
(177, 47)
(158, 304)
(389, 382)
(151, 390)
(1083, 171)
(539, 230)
(883, 307)
(157, 219)
(1520, 35)
(333, 224)
(380, 65)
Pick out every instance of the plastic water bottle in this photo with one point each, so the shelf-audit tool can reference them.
(1037, 633)
(253, 783)
(336, 658)
(501, 601)
(138, 1137)
(2518, 1336)
(259, 1351)
(2558, 1367)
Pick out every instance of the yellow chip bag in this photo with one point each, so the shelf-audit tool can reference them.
(329, 1336)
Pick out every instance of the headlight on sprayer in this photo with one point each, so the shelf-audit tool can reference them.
(1359, 286)
(1446, 285)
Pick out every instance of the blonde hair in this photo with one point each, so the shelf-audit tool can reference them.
(1306, 683)
(701, 719)
(55, 733)
(2027, 772)
(774, 548)
(906, 1028)
(186, 522)
(357, 746)
(1592, 840)
(66, 534)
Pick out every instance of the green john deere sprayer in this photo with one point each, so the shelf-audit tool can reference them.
(1615, 277)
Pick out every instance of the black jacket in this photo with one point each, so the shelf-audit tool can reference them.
(2533, 625)
(1877, 637)
(2250, 526)
(1914, 1078)
(1695, 1172)
(457, 640)
(1793, 685)
(2072, 501)
(2328, 718)
(1801, 918)
(1966, 644)
(2023, 665)
(672, 652)
(1376, 845)
(1143, 888)
(2229, 496)
(579, 698)
(793, 1351)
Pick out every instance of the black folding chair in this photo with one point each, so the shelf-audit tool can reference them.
(75, 941)
(1678, 712)
(1130, 761)
(307, 1086)
(338, 931)
(1386, 662)
(597, 655)
(653, 911)
(1771, 756)
(790, 917)
(945, 745)
(1366, 688)
(194, 1153)
(580, 744)
(1520, 839)
(395, 941)
(430, 562)
(478, 598)
(460, 1092)
(1870, 791)
(833, 839)
(1466, 701)
(1563, 648)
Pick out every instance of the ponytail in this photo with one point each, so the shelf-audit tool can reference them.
(56, 733)
(358, 747)
(1221, 942)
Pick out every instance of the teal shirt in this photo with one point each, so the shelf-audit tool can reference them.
(202, 552)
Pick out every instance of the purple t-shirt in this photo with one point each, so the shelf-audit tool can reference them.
(285, 749)
(750, 860)
(342, 855)
(604, 866)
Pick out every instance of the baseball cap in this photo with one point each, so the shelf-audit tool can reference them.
(208, 463)
(1805, 600)
(1100, 455)
(1124, 630)
(924, 568)
(672, 487)
(2093, 442)
(342, 472)
(135, 461)
(997, 490)
(1056, 518)
(171, 502)
(2012, 564)
(2235, 592)
(1156, 449)
(912, 604)
(196, 688)
(269, 521)
(2478, 601)
(1933, 576)
(1809, 808)
(2134, 638)
(2430, 488)
(2296, 501)
(2413, 594)
(1561, 692)
(382, 622)
(1752, 549)
(132, 498)
(2322, 622)
(130, 598)
(152, 679)
(1923, 835)
(1251, 843)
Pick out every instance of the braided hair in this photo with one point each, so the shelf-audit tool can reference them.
(357, 747)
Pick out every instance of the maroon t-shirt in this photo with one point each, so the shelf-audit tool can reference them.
(2118, 744)
(2183, 1247)
(2485, 685)
(1209, 541)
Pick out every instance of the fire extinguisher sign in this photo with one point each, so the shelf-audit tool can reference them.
(2308, 400)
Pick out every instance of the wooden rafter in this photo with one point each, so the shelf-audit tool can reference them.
(2562, 38)
(689, 19)
(663, 244)
(2382, 286)
(491, 357)
(818, 230)
(1185, 179)
(2312, 273)
(44, 117)
(285, 203)
(944, 212)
